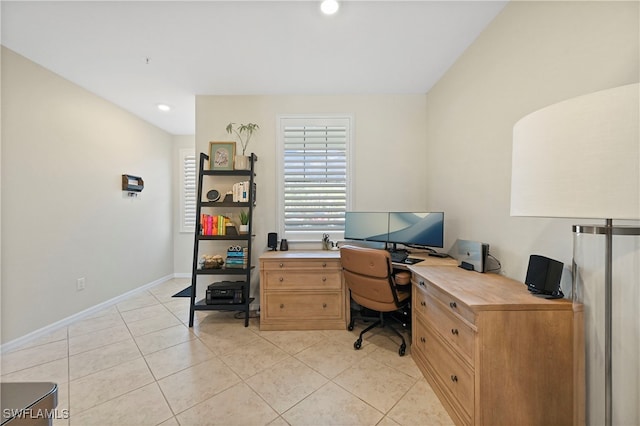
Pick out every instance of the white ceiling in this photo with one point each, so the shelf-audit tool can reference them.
(139, 54)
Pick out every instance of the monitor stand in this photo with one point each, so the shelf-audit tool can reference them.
(393, 248)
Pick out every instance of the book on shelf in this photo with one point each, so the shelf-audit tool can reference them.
(240, 192)
(236, 257)
(213, 224)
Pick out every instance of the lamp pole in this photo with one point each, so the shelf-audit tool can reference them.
(608, 230)
(608, 286)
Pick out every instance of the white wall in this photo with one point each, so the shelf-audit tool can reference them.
(389, 148)
(182, 241)
(63, 211)
(532, 55)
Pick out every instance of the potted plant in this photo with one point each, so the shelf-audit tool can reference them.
(244, 133)
(244, 222)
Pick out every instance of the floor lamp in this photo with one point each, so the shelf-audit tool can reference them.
(580, 158)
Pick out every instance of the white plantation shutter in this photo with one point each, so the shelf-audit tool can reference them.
(314, 176)
(188, 190)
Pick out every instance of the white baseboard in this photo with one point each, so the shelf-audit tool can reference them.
(182, 275)
(20, 341)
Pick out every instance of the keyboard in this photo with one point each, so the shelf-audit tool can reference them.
(398, 256)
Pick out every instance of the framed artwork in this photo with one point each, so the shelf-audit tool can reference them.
(221, 155)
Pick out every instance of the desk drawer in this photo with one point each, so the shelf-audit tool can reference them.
(451, 302)
(307, 306)
(302, 280)
(449, 370)
(418, 337)
(452, 329)
(419, 306)
(279, 265)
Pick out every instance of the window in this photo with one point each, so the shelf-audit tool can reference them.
(187, 190)
(314, 155)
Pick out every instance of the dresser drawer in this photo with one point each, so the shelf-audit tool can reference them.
(448, 300)
(289, 264)
(302, 280)
(450, 327)
(307, 306)
(449, 370)
(418, 337)
(502, 331)
(419, 306)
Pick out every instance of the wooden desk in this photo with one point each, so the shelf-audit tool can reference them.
(302, 290)
(494, 353)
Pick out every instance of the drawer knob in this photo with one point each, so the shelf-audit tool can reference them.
(421, 283)
(453, 305)
(281, 279)
(281, 265)
(423, 340)
(324, 279)
(454, 331)
(454, 378)
(423, 303)
(324, 265)
(281, 305)
(324, 305)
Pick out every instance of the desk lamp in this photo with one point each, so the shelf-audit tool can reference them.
(580, 158)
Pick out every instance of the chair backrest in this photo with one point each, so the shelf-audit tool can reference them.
(368, 275)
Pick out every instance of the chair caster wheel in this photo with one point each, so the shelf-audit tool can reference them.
(402, 349)
(357, 344)
(350, 327)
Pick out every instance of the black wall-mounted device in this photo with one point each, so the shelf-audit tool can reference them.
(132, 183)
(272, 241)
(543, 276)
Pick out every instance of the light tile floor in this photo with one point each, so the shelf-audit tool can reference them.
(138, 363)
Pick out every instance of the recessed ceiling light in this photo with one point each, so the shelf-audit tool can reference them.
(329, 7)
(164, 107)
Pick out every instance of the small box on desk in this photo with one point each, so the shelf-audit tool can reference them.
(225, 292)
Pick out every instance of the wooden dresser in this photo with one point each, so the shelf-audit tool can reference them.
(494, 353)
(302, 290)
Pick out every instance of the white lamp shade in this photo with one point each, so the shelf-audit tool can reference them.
(579, 158)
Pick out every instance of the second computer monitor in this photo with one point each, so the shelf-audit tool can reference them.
(417, 228)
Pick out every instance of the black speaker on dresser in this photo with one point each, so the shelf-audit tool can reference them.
(543, 276)
(272, 241)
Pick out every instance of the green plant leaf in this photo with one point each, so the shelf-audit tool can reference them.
(241, 129)
(244, 217)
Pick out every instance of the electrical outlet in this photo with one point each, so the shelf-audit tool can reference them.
(80, 284)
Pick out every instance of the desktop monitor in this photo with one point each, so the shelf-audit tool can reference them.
(366, 226)
(423, 229)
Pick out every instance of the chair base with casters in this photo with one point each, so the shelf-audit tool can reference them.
(368, 274)
(381, 322)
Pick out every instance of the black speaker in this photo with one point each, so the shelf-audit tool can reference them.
(272, 241)
(543, 276)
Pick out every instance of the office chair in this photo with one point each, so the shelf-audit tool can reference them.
(368, 274)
